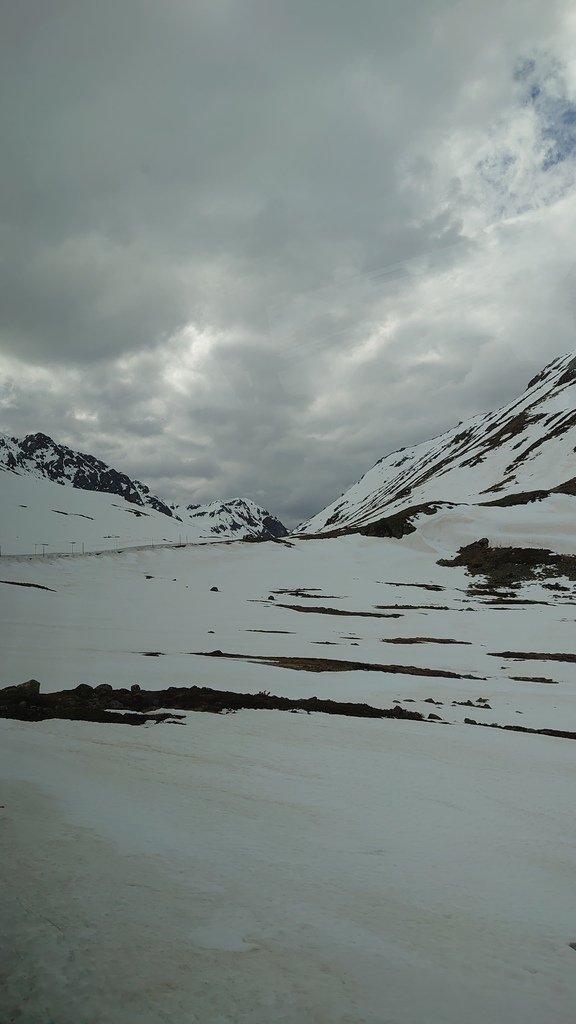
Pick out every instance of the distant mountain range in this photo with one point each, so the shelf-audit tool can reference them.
(40, 458)
(517, 464)
(519, 454)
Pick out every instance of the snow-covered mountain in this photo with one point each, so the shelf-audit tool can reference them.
(54, 497)
(521, 453)
(238, 516)
(38, 455)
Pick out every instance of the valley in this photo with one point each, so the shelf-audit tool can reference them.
(348, 793)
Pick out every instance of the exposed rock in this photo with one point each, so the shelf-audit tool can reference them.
(140, 706)
(509, 565)
(41, 456)
(518, 446)
(31, 688)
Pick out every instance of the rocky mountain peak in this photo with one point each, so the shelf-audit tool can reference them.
(40, 456)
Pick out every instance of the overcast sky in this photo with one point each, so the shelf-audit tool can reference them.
(250, 246)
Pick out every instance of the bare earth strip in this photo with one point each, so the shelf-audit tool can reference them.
(336, 665)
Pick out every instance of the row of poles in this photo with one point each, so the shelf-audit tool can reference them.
(72, 543)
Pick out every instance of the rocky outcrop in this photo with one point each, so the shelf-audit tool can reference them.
(103, 703)
(40, 456)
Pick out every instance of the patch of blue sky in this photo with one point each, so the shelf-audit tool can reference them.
(525, 67)
(543, 87)
(559, 133)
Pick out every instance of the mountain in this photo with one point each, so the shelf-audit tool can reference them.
(517, 455)
(40, 456)
(230, 517)
(46, 487)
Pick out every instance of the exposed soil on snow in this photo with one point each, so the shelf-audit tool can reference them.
(335, 665)
(420, 586)
(423, 640)
(136, 707)
(560, 733)
(534, 679)
(399, 524)
(520, 498)
(105, 704)
(305, 592)
(506, 565)
(36, 586)
(421, 607)
(321, 610)
(533, 656)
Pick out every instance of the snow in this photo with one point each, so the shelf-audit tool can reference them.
(102, 614)
(475, 461)
(265, 867)
(36, 512)
(276, 867)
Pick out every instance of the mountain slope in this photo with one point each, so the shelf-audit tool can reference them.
(230, 517)
(47, 488)
(38, 455)
(520, 453)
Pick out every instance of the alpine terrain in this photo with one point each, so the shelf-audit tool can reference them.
(59, 499)
(522, 453)
(328, 779)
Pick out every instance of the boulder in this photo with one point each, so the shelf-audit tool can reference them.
(31, 688)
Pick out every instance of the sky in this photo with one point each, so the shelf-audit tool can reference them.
(248, 247)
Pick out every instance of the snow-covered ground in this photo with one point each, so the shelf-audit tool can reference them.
(38, 515)
(54, 499)
(151, 617)
(263, 866)
(257, 868)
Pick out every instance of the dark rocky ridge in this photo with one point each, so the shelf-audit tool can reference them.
(25, 703)
(105, 704)
(38, 453)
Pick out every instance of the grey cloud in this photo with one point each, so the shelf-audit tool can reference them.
(284, 182)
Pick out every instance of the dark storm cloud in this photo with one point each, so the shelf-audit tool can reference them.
(221, 219)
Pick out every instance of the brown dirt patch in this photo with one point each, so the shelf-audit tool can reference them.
(85, 703)
(420, 607)
(534, 679)
(533, 656)
(301, 664)
(321, 610)
(420, 586)
(423, 640)
(508, 565)
(560, 733)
